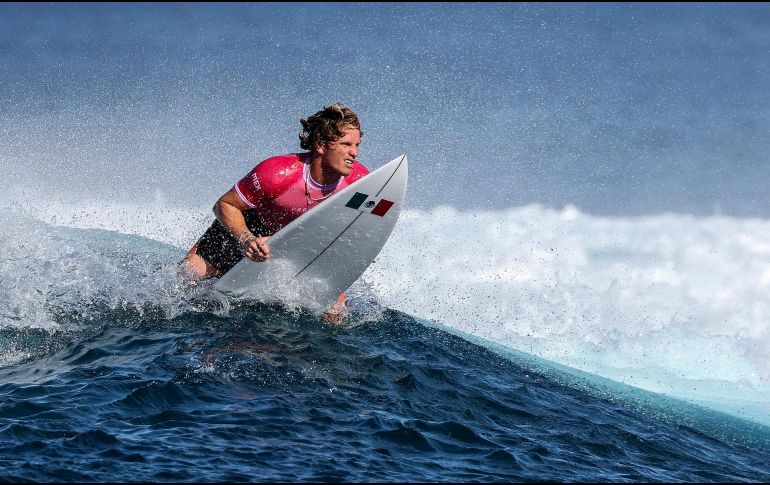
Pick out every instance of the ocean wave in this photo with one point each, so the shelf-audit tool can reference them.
(674, 304)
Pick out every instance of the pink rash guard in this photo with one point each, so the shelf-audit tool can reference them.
(280, 189)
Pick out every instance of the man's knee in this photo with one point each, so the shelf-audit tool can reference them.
(197, 268)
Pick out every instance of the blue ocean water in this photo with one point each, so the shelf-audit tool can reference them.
(576, 291)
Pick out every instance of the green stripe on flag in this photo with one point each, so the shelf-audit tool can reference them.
(356, 201)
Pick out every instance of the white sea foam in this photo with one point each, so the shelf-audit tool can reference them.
(670, 303)
(53, 275)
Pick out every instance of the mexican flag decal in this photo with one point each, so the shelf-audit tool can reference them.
(365, 203)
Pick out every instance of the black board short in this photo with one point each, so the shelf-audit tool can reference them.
(221, 249)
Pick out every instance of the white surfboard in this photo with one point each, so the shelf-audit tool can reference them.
(323, 252)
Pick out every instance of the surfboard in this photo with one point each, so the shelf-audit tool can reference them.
(322, 253)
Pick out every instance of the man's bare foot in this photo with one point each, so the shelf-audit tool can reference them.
(336, 313)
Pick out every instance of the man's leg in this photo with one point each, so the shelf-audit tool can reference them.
(196, 267)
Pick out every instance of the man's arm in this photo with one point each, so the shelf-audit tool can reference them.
(229, 211)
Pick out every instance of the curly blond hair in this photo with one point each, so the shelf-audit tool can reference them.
(327, 125)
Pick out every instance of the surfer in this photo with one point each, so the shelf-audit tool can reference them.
(277, 191)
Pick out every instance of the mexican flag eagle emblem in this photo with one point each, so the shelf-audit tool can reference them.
(366, 203)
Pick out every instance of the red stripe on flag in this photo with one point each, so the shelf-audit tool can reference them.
(382, 207)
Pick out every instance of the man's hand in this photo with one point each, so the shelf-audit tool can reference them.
(255, 248)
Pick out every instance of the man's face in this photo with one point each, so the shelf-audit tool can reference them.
(339, 155)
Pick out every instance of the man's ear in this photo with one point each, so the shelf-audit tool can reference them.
(319, 149)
